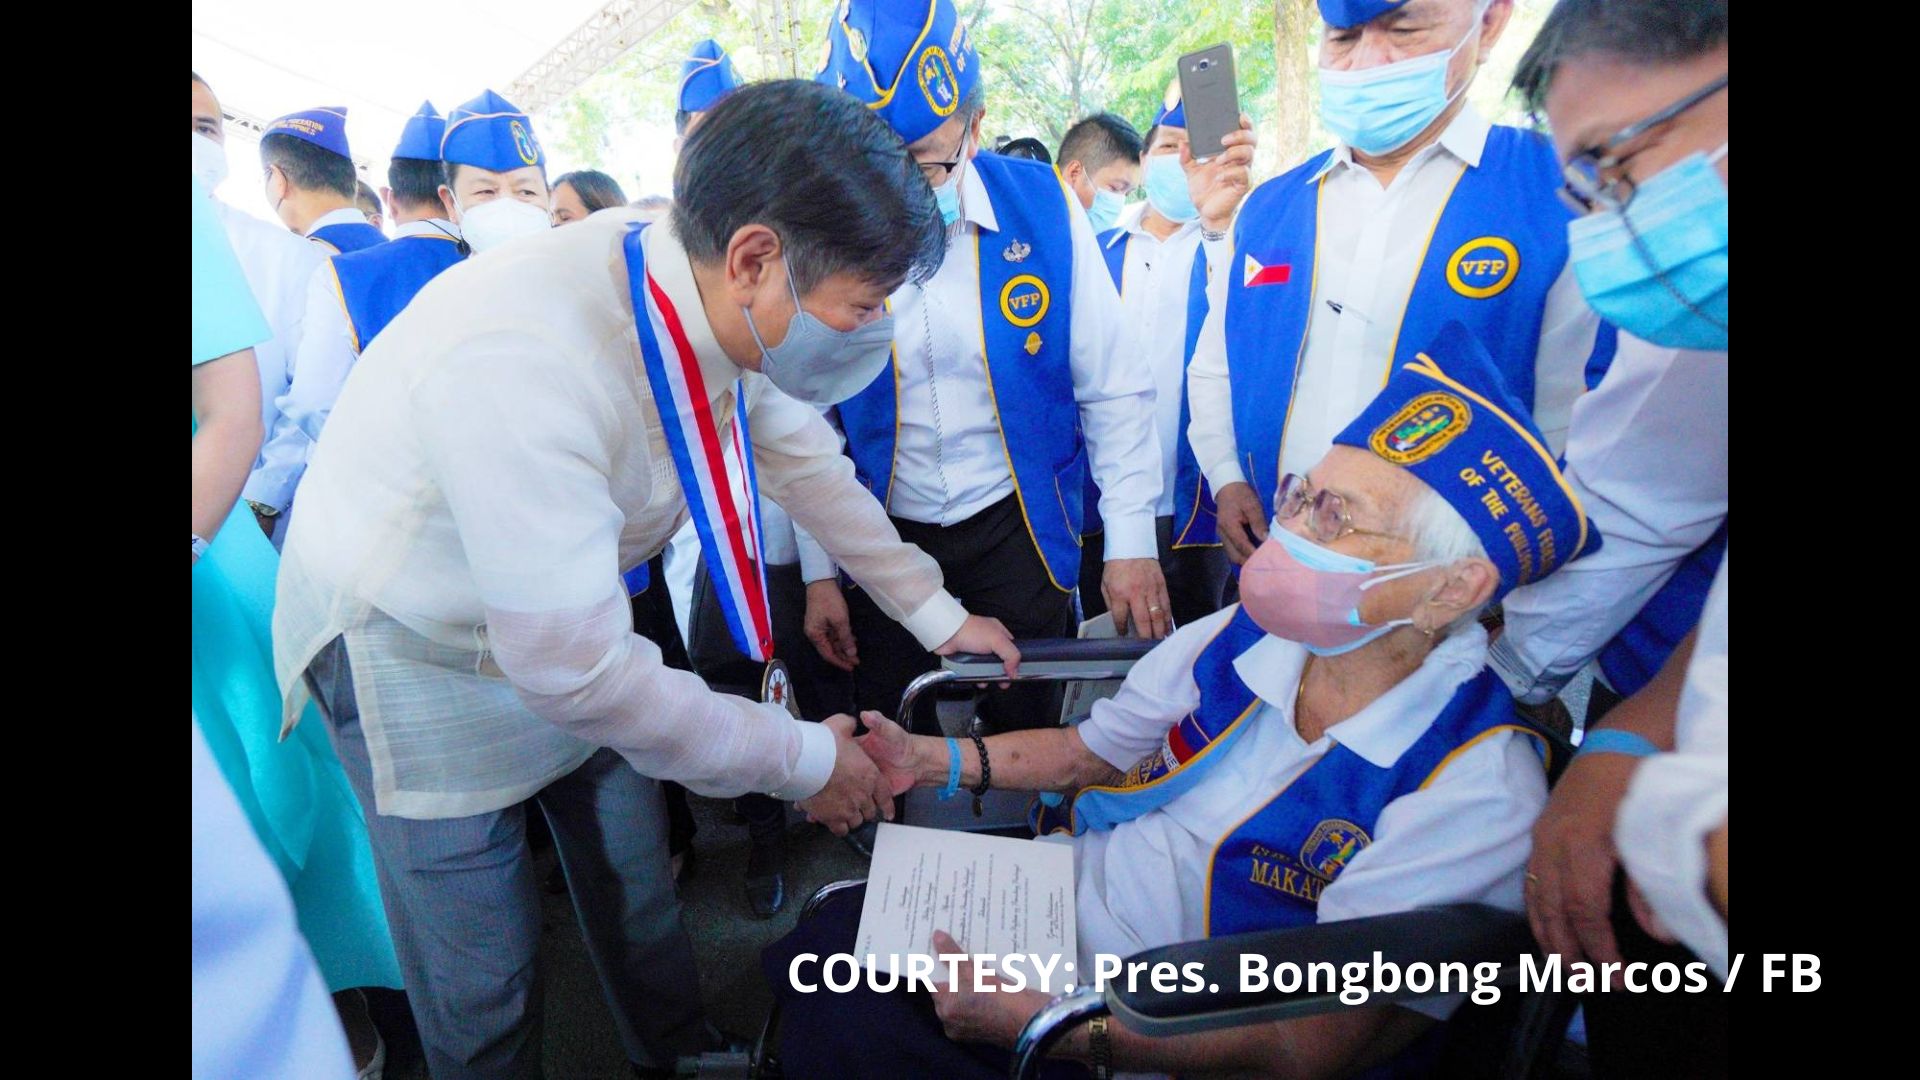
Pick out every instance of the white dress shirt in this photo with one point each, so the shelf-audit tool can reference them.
(1462, 837)
(951, 463)
(1675, 800)
(1153, 299)
(492, 467)
(1371, 243)
(1647, 456)
(317, 372)
(278, 265)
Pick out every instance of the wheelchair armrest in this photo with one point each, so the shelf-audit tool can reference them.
(1468, 934)
(1058, 658)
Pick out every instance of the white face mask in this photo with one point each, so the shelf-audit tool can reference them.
(209, 161)
(497, 221)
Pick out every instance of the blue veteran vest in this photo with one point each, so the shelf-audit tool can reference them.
(345, 238)
(1025, 290)
(376, 283)
(1268, 872)
(1497, 247)
(1640, 650)
(1193, 509)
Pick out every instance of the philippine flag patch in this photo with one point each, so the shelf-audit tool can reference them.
(1257, 274)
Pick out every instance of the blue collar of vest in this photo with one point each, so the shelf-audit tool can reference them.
(1395, 720)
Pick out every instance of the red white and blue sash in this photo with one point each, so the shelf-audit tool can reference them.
(731, 545)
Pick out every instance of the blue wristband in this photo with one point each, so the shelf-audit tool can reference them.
(953, 770)
(1609, 741)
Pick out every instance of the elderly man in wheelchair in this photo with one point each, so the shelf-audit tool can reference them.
(1334, 747)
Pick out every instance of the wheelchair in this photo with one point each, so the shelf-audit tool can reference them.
(1518, 1038)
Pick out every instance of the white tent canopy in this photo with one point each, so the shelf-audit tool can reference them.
(381, 58)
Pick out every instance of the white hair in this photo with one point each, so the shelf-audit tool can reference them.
(1440, 535)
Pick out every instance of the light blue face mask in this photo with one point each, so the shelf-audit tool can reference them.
(1669, 286)
(1105, 211)
(947, 195)
(1167, 188)
(818, 364)
(1378, 110)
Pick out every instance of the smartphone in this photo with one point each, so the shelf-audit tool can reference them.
(1212, 101)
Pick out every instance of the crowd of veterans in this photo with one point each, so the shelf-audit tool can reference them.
(521, 511)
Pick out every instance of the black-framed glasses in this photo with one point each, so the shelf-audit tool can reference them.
(937, 172)
(1586, 188)
(1328, 519)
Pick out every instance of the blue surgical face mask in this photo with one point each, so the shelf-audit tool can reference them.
(1167, 188)
(1669, 286)
(947, 195)
(1105, 211)
(1378, 110)
(818, 364)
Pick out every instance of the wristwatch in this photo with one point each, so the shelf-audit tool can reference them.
(262, 509)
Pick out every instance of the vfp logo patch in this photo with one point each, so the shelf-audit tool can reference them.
(1024, 300)
(1421, 428)
(1332, 846)
(1483, 267)
(524, 144)
(937, 83)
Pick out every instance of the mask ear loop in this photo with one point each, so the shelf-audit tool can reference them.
(1646, 257)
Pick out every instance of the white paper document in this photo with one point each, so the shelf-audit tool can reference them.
(995, 894)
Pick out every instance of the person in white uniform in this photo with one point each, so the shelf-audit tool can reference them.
(1631, 852)
(1422, 212)
(1332, 747)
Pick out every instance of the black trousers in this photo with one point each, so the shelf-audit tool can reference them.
(1196, 576)
(1651, 1035)
(992, 568)
(820, 688)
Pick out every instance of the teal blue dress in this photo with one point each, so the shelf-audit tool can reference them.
(294, 792)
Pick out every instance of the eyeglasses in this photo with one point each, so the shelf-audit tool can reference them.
(1585, 189)
(937, 172)
(1329, 520)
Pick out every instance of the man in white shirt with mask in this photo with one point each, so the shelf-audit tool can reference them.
(1422, 213)
(538, 421)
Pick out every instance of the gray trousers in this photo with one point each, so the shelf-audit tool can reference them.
(464, 908)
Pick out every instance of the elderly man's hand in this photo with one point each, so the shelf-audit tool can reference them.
(1569, 887)
(856, 793)
(1241, 520)
(1136, 593)
(828, 625)
(891, 749)
(1218, 184)
(968, 1015)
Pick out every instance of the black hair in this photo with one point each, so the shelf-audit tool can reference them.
(596, 189)
(368, 199)
(308, 166)
(1637, 31)
(415, 182)
(1100, 140)
(1027, 147)
(820, 169)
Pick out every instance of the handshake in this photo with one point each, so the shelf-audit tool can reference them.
(868, 772)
